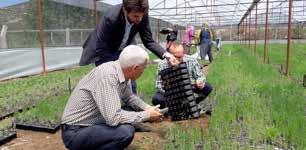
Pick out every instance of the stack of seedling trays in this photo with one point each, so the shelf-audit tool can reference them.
(180, 99)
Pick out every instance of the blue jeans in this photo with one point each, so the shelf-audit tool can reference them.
(98, 137)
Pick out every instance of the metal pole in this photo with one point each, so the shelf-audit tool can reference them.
(243, 30)
(244, 35)
(41, 36)
(266, 32)
(255, 36)
(250, 15)
(289, 38)
(96, 12)
(239, 34)
(158, 28)
(246, 30)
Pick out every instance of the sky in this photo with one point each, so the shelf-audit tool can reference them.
(5, 3)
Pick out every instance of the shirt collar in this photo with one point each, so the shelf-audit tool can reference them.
(127, 21)
(119, 72)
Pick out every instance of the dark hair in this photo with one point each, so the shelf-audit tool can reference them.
(136, 5)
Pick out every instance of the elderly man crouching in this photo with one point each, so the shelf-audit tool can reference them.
(197, 78)
(93, 117)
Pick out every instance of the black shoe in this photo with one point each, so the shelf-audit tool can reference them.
(142, 128)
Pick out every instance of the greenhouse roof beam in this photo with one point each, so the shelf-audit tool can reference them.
(201, 6)
(249, 10)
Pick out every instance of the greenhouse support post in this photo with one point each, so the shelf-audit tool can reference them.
(289, 38)
(3, 41)
(250, 29)
(41, 36)
(255, 33)
(158, 28)
(266, 32)
(96, 12)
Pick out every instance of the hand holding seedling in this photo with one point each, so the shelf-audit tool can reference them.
(155, 114)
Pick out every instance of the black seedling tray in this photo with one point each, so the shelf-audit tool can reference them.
(179, 94)
(6, 115)
(8, 138)
(38, 128)
(12, 112)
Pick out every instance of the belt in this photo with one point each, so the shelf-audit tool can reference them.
(71, 127)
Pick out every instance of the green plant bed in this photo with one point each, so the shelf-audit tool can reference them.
(46, 114)
(26, 92)
(256, 107)
(271, 106)
(277, 54)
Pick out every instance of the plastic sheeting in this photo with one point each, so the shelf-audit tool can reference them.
(16, 63)
(24, 62)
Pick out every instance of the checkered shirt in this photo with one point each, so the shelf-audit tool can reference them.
(97, 99)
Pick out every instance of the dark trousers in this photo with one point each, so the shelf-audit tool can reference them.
(205, 48)
(97, 137)
(160, 99)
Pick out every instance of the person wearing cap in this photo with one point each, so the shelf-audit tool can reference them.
(118, 29)
(198, 80)
(93, 117)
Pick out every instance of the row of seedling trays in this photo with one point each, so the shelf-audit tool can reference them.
(45, 116)
(22, 93)
(35, 103)
(26, 99)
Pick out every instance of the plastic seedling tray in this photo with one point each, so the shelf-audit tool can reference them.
(6, 115)
(12, 112)
(8, 137)
(39, 128)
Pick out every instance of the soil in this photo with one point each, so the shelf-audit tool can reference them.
(31, 140)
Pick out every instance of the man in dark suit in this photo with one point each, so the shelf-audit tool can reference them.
(117, 30)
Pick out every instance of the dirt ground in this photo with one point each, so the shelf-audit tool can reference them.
(154, 140)
(30, 140)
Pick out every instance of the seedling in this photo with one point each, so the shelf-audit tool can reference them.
(164, 110)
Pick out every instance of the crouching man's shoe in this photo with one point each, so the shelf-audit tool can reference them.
(142, 128)
(205, 107)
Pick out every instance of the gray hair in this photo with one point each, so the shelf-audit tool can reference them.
(133, 55)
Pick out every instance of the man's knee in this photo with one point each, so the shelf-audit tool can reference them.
(158, 99)
(126, 134)
(208, 88)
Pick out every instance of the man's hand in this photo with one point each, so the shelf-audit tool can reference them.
(155, 114)
(200, 84)
(171, 59)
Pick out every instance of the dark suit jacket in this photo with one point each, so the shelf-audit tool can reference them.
(103, 43)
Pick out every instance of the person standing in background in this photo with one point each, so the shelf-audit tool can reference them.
(218, 41)
(189, 34)
(206, 43)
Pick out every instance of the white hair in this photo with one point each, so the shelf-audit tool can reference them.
(133, 55)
